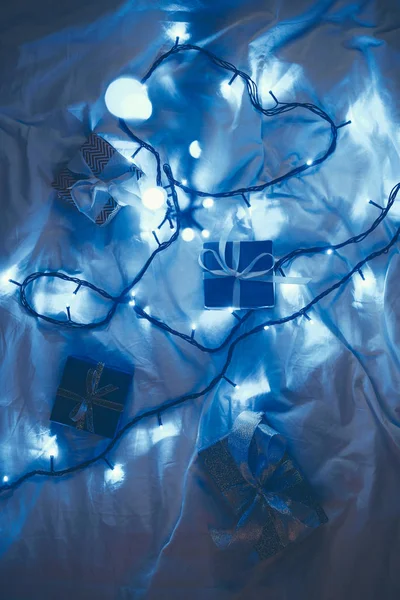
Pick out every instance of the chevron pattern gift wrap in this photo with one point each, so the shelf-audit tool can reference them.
(96, 166)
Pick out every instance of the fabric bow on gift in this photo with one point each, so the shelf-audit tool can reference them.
(264, 493)
(82, 413)
(124, 189)
(266, 275)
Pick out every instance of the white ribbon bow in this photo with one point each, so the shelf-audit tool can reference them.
(124, 189)
(247, 272)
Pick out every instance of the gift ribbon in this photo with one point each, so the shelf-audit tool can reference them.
(84, 191)
(82, 413)
(258, 451)
(247, 273)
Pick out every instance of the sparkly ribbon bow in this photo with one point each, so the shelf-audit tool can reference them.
(82, 413)
(124, 189)
(247, 272)
(264, 494)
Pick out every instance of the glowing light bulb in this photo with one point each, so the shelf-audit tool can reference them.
(147, 309)
(52, 451)
(309, 162)
(231, 310)
(115, 475)
(266, 327)
(188, 234)
(184, 181)
(194, 326)
(127, 98)
(205, 233)
(132, 302)
(195, 149)
(311, 322)
(153, 198)
(329, 251)
(178, 30)
(6, 276)
(5, 478)
(208, 202)
(237, 387)
(226, 89)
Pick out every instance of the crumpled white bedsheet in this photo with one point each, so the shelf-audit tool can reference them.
(331, 387)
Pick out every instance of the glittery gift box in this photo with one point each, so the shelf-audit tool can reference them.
(91, 396)
(227, 480)
(95, 159)
(254, 293)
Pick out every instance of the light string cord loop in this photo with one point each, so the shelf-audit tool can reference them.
(280, 108)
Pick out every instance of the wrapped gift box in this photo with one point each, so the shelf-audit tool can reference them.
(80, 183)
(91, 396)
(224, 291)
(269, 498)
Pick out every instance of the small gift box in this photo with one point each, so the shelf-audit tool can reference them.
(98, 180)
(238, 274)
(91, 396)
(272, 503)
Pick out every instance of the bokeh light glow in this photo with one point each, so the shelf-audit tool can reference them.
(208, 202)
(153, 198)
(127, 98)
(188, 234)
(195, 149)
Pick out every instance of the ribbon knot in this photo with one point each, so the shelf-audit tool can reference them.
(124, 189)
(82, 413)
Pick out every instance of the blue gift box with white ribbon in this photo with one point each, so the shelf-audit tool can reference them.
(238, 274)
(98, 180)
(91, 396)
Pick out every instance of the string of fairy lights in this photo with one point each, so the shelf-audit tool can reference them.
(175, 216)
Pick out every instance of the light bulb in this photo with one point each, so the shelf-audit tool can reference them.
(127, 98)
(7, 275)
(329, 251)
(208, 202)
(226, 89)
(115, 475)
(178, 30)
(132, 302)
(184, 181)
(5, 478)
(194, 326)
(52, 451)
(231, 310)
(195, 149)
(237, 386)
(309, 162)
(153, 198)
(266, 327)
(188, 234)
(205, 233)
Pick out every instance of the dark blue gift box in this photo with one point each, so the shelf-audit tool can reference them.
(289, 507)
(91, 396)
(218, 291)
